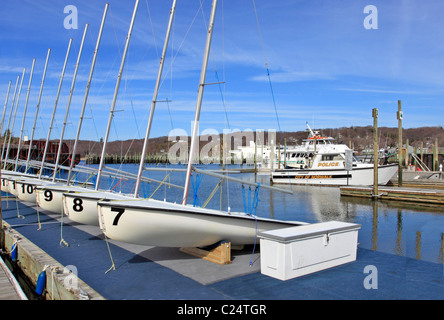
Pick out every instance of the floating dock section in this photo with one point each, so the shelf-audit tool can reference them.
(60, 283)
(156, 273)
(420, 196)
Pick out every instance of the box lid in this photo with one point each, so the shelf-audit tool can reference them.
(309, 230)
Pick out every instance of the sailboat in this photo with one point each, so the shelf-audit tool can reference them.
(156, 223)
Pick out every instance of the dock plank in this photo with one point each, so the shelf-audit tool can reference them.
(8, 289)
(427, 196)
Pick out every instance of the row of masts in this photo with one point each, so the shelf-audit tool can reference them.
(15, 102)
(102, 168)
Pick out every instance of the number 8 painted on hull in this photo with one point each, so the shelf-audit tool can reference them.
(77, 207)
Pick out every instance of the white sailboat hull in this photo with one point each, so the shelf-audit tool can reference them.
(26, 189)
(6, 175)
(5, 184)
(12, 187)
(81, 207)
(157, 223)
(338, 177)
(50, 197)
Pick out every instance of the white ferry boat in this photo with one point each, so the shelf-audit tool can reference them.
(320, 161)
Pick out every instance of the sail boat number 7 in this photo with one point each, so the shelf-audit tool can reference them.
(119, 211)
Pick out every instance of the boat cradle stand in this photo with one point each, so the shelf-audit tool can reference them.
(221, 254)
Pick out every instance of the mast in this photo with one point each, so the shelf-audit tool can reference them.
(24, 115)
(5, 107)
(116, 91)
(153, 104)
(69, 103)
(55, 108)
(85, 99)
(10, 115)
(199, 101)
(37, 109)
(13, 119)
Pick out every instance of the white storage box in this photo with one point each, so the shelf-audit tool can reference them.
(292, 252)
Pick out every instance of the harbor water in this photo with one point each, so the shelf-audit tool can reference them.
(397, 228)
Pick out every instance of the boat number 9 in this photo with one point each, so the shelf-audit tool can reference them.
(77, 207)
(119, 211)
(48, 195)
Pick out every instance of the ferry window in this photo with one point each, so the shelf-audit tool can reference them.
(338, 157)
(331, 157)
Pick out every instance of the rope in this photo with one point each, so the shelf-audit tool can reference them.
(160, 184)
(198, 179)
(212, 194)
(254, 246)
(62, 241)
(38, 218)
(53, 269)
(90, 176)
(250, 209)
(117, 184)
(19, 216)
(268, 71)
(113, 266)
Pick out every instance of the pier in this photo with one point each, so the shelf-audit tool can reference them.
(422, 188)
(422, 196)
(155, 273)
(10, 289)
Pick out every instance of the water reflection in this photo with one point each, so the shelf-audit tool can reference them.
(399, 228)
(418, 232)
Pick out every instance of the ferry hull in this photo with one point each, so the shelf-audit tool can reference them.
(337, 177)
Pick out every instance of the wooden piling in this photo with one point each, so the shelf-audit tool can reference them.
(375, 151)
(399, 116)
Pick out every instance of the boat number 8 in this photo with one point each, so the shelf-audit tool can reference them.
(77, 207)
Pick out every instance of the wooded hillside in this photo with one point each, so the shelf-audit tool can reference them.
(359, 138)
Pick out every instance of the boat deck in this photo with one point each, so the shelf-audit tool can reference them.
(157, 273)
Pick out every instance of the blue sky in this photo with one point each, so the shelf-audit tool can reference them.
(325, 66)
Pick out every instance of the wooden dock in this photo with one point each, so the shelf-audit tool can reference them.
(10, 289)
(418, 195)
